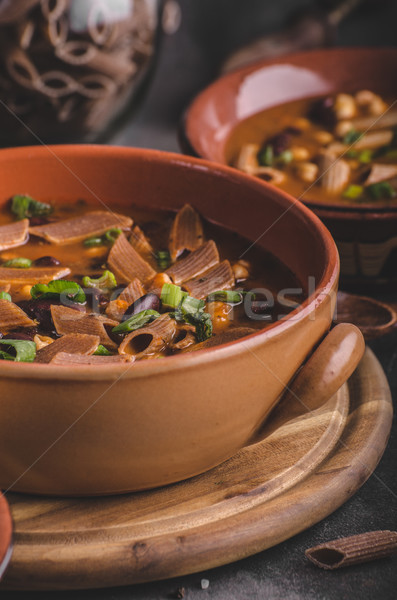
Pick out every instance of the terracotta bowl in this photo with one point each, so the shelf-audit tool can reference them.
(5, 535)
(366, 236)
(88, 431)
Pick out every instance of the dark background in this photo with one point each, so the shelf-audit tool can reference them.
(188, 61)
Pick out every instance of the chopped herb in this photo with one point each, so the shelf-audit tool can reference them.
(266, 156)
(106, 281)
(352, 153)
(107, 239)
(192, 305)
(203, 323)
(352, 136)
(25, 207)
(172, 295)
(352, 192)
(366, 156)
(58, 288)
(18, 263)
(102, 351)
(380, 190)
(163, 259)
(17, 350)
(136, 321)
(226, 296)
(5, 296)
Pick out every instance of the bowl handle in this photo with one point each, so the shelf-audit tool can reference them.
(330, 365)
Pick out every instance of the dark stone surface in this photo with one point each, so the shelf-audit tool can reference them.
(189, 60)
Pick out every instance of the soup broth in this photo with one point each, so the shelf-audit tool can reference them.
(93, 286)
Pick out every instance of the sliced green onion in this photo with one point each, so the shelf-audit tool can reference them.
(18, 350)
(352, 136)
(285, 157)
(192, 305)
(106, 281)
(366, 156)
(102, 351)
(93, 241)
(352, 192)
(112, 234)
(25, 207)
(136, 321)
(163, 259)
(172, 295)
(55, 289)
(225, 296)
(18, 263)
(380, 190)
(108, 238)
(5, 296)
(266, 156)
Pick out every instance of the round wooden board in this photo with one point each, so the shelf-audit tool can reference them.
(283, 483)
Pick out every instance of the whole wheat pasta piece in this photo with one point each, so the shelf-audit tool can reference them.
(139, 241)
(116, 308)
(126, 263)
(13, 11)
(73, 343)
(53, 9)
(77, 229)
(150, 340)
(13, 317)
(56, 84)
(83, 53)
(31, 276)
(197, 262)
(388, 119)
(224, 337)
(14, 234)
(21, 69)
(220, 277)
(67, 320)
(381, 172)
(184, 337)
(97, 86)
(354, 549)
(5, 287)
(65, 358)
(58, 30)
(186, 232)
(333, 173)
(26, 30)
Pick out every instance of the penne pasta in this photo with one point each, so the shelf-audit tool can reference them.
(186, 232)
(151, 340)
(220, 277)
(20, 277)
(116, 308)
(127, 264)
(13, 317)
(68, 320)
(74, 343)
(14, 234)
(68, 359)
(196, 263)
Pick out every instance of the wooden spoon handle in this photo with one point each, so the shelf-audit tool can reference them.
(330, 365)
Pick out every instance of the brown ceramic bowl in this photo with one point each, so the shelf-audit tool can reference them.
(5, 535)
(366, 236)
(121, 428)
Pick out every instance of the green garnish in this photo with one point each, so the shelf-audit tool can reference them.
(187, 309)
(18, 263)
(366, 156)
(58, 288)
(102, 351)
(106, 281)
(352, 136)
(5, 296)
(380, 190)
(136, 321)
(225, 296)
(25, 207)
(18, 350)
(352, 192)
(163, 259)
(266, 156)
(352, 153)
(108, 238)
(285, 157)
(172, 295)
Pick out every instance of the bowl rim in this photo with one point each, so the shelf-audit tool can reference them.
(236, 76)
(324, 288)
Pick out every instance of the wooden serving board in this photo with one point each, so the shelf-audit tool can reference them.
(286, 481)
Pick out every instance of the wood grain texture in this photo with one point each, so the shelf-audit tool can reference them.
(268, 492)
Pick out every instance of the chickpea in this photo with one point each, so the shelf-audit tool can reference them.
(301, 123)
(345, 106)
(240, 271)
(377, 107)
(8, 256)
(307, 171)
(300, 153)
(364, 98)
(24, 292)
(95, 251)
(342, 128)
(323, 137)
(220, 313)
